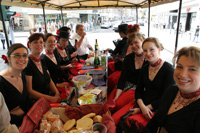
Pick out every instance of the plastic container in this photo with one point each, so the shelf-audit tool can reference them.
(82, 80)
(96, 74)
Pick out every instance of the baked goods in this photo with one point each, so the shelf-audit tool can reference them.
(45, 127)
(52, 118)
(69, 124)
(97, 118)
(90, 115)
(47, 114)
(57, 126)
(84, 123)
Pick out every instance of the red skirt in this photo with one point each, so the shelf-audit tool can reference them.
(111, 67)
(113, 80)
(122, 100)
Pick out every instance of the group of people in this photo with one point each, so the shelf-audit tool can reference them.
(30, 76)
(150, 96)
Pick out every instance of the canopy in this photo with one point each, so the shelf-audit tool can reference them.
(84, 4)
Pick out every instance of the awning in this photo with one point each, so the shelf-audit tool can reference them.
(84, 4)
(17, 15)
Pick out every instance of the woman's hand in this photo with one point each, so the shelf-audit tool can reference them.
(55, 99)
(17, 111)
(146, 112)
(69, 66)
(135, 110)
(63, 84)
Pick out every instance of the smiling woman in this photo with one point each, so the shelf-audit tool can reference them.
(13, 83)
(179, 110)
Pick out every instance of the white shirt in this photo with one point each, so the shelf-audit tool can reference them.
(83, 49)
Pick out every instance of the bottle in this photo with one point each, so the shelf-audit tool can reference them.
(103, 59)
(76, 44)
(96, 58)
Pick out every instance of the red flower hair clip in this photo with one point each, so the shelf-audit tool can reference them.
(57, 32)
(5, 59)
(130, 26)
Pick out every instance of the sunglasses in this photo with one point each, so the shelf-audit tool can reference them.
(17, 56)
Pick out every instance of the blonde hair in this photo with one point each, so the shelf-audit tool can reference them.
(192, 51)
(155, 41)
(134, 35)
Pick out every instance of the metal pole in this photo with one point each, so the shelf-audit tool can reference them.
(4, 26)
(149, 1)
(136, 14)
(177, 29)
(43, 4)
(62, 16)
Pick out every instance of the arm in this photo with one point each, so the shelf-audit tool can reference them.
(81, 40)
(35, 94)
(118, 93)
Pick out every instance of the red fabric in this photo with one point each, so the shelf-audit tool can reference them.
(116, 116)
(138, 120)
(108, 121)
(113, 80)
(78, 112)
(82, 61)
(111, 67)
(82, 72)
(123, 99)
(32, 118)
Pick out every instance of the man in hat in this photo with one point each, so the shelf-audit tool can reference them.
(82, 42)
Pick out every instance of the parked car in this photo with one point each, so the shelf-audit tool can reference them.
(106, 25)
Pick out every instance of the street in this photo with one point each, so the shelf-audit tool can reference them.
(105, 39)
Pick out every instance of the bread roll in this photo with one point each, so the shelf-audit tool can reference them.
(47, 114)
(57, 126)
(69, 124)
(52, 118)
(84, 123)
(90, 115)
(45, 127)
(97, 118)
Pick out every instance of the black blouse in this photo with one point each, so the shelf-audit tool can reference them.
(57, 75)
(62, 60)
(40, 81)
(14, 98)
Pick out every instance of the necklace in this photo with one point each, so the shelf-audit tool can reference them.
(59, 47)
(49, 52)
(190, 95)
(182, 102)
(34, 58)
(156, 63)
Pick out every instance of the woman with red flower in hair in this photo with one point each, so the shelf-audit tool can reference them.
(13, 83)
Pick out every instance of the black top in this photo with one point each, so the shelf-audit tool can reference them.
(151, 91)
(70, 48)
(62, 60)
(129, 73)
(185, 120)
(14, 98)
(121, 48)
(40, 82)
(57, 75)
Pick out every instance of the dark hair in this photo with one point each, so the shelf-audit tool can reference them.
(64, 28)
(192, 51)
(36, 36)
(134, 35)
(47, 36)
(155, 41)
(133, 28)
(78, 26)
(14, 47)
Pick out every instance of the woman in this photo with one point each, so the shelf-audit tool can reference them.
(13, 83)
(63, 55)
(39, 82)
(130, 73)
(180, 108)
(59, 78)
(154, 79)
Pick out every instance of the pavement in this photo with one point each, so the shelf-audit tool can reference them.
(106, 36)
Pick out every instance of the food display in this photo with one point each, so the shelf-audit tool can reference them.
(51, 123)
(82, 80)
